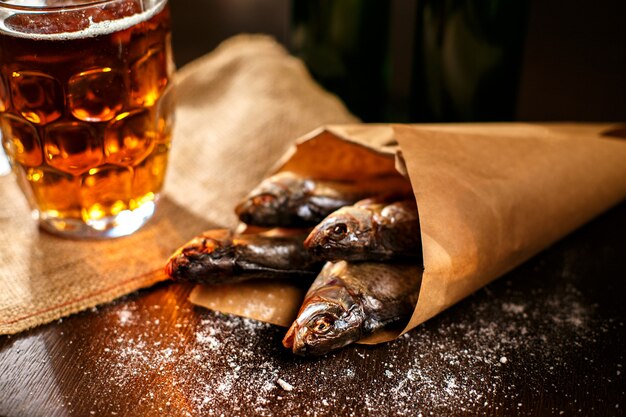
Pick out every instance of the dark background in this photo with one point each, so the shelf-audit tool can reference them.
(544, 340)
(570, 63)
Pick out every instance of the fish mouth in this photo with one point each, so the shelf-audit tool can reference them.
(310, 240)
(314, 246)
(290, 337)
(266, 199)
(245, 211)
(170, 267)
(317, 243)
(295, 341)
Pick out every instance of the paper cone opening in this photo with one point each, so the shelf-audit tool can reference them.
(489, 197)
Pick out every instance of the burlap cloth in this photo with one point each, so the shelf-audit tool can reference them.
(239, 109)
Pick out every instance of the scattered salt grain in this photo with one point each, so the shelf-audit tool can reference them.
(284, 384)
(228, 362)
(513, 308)
(124, 316)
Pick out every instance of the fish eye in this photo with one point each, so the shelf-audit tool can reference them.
(322, 325)
(338, 231)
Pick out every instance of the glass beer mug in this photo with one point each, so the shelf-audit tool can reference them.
(86, 110)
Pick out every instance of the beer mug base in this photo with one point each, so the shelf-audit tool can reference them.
(122, 224)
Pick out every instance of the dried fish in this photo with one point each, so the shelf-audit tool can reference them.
(220, 256)
(289, 200)
(369, 230)
(348, 301)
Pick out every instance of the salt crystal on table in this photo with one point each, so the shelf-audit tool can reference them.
(284, 384)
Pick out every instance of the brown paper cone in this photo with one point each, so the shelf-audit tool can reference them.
(489, 196)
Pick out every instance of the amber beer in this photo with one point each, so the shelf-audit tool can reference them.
(86, 110)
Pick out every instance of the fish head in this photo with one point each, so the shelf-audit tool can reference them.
(328, 320)
(349, 230)
(211, 252)
(272, 200)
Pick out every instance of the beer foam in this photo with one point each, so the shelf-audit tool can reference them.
(95, 28)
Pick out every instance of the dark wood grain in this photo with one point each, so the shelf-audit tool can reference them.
(558, 320)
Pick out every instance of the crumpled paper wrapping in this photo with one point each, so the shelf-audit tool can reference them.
(489, 196)
(239, 108)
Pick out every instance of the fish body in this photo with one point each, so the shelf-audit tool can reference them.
(368, 230)
(220, 256)
(289, 200)
(348, 301)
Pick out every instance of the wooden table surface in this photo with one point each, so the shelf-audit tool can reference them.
(546, 339)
